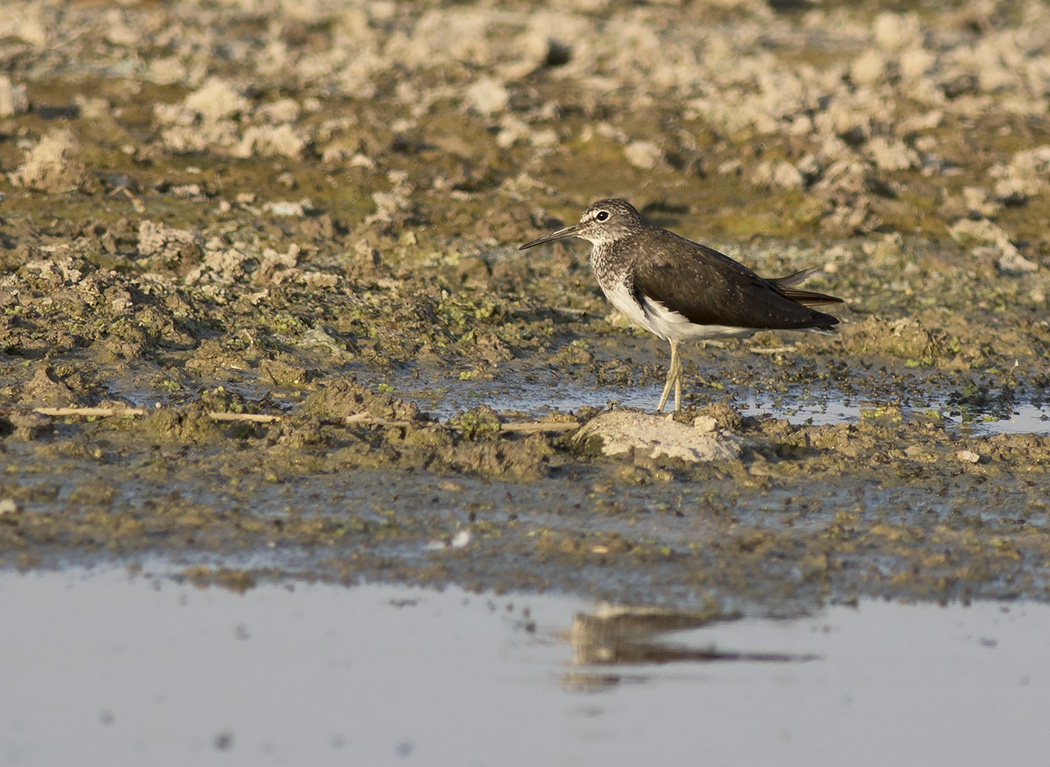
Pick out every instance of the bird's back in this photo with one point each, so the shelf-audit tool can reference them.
(709, 288)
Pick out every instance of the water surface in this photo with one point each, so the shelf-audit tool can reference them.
(100, 667)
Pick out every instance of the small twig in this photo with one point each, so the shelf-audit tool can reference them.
(110, 412)
(253, 417)
(89, 412)
(368, 420)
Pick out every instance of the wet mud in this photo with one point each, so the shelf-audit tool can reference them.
(272, 256)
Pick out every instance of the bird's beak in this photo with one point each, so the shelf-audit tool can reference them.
(561, 234)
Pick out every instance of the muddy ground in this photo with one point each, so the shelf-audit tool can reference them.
(312, 211)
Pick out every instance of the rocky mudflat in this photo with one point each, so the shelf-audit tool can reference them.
(268, 252)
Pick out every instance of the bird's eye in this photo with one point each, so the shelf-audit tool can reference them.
(602, 215)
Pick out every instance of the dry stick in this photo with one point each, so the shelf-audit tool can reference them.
(108, 412)
(358, 418)
(367, 420)
(89, 412)
(253, 417)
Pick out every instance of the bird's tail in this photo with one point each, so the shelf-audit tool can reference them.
(784, 285)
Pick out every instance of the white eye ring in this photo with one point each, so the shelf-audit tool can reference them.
(601, 215)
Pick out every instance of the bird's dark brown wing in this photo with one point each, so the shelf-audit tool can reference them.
(710, 288)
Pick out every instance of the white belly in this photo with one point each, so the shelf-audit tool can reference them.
(668, 325)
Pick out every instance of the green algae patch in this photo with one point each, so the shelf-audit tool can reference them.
(480, 423)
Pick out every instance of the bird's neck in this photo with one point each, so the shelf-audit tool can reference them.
(609, 262)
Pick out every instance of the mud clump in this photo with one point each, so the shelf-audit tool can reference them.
(297, 432)
(46, 389)
(343, 399)
(722, 416)
(162, 246)
(54, 165)
(188, 426)
(514, 460)
(26, 427)
(285, 371)
(904, 338)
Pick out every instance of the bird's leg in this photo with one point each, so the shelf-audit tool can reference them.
(674, 377)
(677, 381)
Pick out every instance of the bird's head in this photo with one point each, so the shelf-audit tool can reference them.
(604, 221)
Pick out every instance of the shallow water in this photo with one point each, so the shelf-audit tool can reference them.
(100, 667)
(1023, 419)
(548, 393)
(537, 398)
